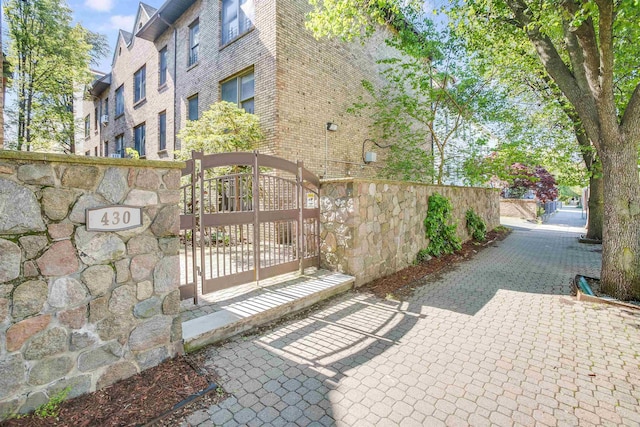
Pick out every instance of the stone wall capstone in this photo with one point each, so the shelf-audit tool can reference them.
(373, 228)
(78, 308)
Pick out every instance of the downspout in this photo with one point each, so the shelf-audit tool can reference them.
(175, 83)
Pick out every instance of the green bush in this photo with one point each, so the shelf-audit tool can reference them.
(439, 227)
(476, 226)
(423, 255)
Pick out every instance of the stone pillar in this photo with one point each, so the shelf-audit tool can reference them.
(79, 308)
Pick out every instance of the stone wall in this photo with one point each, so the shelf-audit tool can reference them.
(372, 228)
(519, 208)
(83, 309)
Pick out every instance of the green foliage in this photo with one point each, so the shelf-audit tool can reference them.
(501, 229)
(52, 407)
(50, 58)
(423, 255)
(439, 228)
(428, 98)
(222, 128)
(132, 153)
(476, 226)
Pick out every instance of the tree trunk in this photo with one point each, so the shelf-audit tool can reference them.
(621, 233)
(596, 207)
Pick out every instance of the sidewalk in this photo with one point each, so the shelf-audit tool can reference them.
(496, 341)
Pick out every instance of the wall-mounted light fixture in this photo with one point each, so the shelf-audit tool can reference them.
(332, 126)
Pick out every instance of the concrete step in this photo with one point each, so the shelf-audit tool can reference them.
(261, 305)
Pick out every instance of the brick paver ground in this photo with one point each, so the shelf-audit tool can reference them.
(498, 341)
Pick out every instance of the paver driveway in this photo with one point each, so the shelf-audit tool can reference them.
(497, 341)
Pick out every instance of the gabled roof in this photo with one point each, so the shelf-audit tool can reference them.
(144, 13)
(127, 37)
(150, 10)
(163, 18)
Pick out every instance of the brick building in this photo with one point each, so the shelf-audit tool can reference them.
(187, 54)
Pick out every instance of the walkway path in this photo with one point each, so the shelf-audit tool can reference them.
(497, 341)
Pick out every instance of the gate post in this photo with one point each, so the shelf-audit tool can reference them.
(300, 243)
(256, 220)
(198, 176)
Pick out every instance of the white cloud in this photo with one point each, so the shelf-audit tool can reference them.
(124, 22)
(99, 5)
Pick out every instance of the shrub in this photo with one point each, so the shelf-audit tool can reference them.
(439, 227)
(476, 226)
(423, 255)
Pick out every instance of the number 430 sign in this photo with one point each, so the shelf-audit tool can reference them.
(113, 218)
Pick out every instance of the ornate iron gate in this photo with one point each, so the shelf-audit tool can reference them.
(245, 217)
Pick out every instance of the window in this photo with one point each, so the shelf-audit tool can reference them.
(237, 18)
(87, 126)
(139, 139)
(87, 153)
(194, 42)
(240, 91)
(95, 119)
(120, 101)
(105, 112)
(106, 149)
(193, 107)
(162, 66)
(162, 131)
(95, 151)
(139, 83)
(120, 145)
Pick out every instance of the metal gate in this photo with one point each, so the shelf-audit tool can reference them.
(245, 217)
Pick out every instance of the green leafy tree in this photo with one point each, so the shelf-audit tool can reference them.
(222, 128)
(514, 63)
(590, 51)
(50, 58)
(427, 98)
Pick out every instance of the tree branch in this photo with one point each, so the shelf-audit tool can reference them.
(630, 123)
(557, 69)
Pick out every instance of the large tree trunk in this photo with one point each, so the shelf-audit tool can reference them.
(596, 207)
(621, 244)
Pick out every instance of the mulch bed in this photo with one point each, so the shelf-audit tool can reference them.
(138, 400)
(402, 283)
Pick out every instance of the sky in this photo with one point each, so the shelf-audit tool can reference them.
(107, 17)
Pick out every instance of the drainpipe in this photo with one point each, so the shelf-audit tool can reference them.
(175, 76)
(326, 151)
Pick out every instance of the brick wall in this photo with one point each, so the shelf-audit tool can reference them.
(129, 58)
(300, 85)
(317, 81)
(83, 309)
(372, 228)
